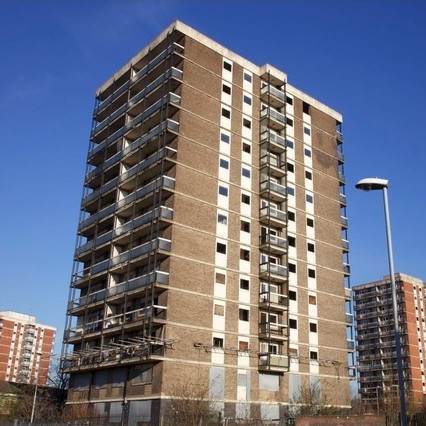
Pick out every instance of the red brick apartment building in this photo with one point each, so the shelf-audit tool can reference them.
(25, 348)
(376, 338)
(212, 243)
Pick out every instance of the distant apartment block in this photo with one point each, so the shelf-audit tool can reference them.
(212, 244)
(375, 330)
(25, 348)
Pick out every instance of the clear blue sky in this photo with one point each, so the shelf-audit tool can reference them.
(366, 59)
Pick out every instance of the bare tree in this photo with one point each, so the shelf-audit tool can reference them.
(46, 406)
(73, 412)
(311, 401)
(190, 405)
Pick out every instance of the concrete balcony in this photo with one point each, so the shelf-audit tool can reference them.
(273, 244)
(138, 76)
(273, 362)
(274, 119)
(161, 213)
(273, 272)
(274, 301)
(273, 331)
(273, 142)
(273, 217)
(273, 191)
(272, 166)
(273, 96)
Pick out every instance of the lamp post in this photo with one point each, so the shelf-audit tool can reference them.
(374, 184)
(39, 354)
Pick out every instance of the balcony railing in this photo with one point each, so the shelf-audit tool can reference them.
(346, 269)
(116, 320)
(127, 256)
(273, 243)
(166, 152)
(348, 294)
(267, 268)
(276, 143)
(141, 73)
(275, 190)
(163, 181)
(345, 245)
(171, 73)
(276, 217)
(276, 119)
(167, 124)
(160, 212)
(159, 277)
(273, 361)
(273, 330)
(277, 299)
(273, 95)
(171, 98)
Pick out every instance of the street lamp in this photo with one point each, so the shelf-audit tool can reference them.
(39, 354)
(373, 184)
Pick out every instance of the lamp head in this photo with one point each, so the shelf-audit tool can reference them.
(372, 184)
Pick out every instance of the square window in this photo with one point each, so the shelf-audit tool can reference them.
(222, 219)
(291, 241)
(226, 89)
(244, 284)
(227, 66)
(311, 247)
(217, 342)
(292, 295)
(309, 198)
(244, 254)
(293, 323)
(245, 172)
(247, 123)
(290, 190)
(245, 226)
(307, 131)
(243, 315)
(246, 147)
(247, 100)
(220, 278)
(289, 144)
(224, 137)
(245, 199)
(224, 164)
(289, 100)
(223, 191)
(292, 267)
(221, 248)
(247, 77)
(308, 175)
(219, 310)
(243, 346)
(313, 355)
(290, 167)
(311, 273)
(308, 152)
(289, 122)
(226, 113)
(291, 216)
(306, 108)
(310, 222)
(312, 327)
